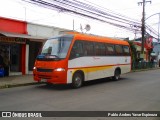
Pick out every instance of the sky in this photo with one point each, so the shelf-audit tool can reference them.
(18, 9)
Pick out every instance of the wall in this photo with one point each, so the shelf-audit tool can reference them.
(14, 26)
(42, 31)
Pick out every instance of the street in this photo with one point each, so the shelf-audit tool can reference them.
(136, 91)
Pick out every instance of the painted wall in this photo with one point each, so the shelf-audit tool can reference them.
(42, 31)
(13, 26)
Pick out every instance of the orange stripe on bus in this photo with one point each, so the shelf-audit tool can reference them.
(99, 66)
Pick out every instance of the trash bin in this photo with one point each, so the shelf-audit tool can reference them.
(2, 72)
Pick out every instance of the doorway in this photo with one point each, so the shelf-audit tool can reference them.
(12, 52)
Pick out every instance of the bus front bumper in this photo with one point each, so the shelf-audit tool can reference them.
(55, 77)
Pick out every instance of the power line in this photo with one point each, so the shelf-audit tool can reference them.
(89, 11)
(85, 12)
(110, 11)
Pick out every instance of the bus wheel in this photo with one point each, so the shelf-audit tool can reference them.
(116, 74)
(49, 84)
(77, 80)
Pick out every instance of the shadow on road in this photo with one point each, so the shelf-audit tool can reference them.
(91, 83)
(101, 81)
(54, 87)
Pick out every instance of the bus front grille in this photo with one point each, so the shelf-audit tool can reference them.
(44, 70)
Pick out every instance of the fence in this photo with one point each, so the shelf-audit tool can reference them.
(143, 65)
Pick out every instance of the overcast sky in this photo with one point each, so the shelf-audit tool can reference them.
(17, 9)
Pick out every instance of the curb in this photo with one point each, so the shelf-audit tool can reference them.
(17, 85)
(145, 69)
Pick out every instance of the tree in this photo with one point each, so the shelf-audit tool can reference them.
(133, 51)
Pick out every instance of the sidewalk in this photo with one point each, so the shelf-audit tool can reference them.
(17, 80)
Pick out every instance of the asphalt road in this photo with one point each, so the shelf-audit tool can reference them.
(137, 91)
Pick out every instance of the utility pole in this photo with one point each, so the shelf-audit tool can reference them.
(158, 27)
(143, 24)
(73, 24)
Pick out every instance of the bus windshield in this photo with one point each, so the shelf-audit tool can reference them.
(56, 48)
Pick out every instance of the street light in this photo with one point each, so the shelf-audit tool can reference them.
(158, 23)
(158, 29)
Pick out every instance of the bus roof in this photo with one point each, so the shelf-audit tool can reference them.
(88, 37)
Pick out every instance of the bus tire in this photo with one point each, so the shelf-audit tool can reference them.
(116, 75)
(49, 84)
(77, 80)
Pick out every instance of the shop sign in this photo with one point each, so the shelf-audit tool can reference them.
(13, 40)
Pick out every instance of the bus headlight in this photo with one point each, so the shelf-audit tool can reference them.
(59, 69)
(34, 68)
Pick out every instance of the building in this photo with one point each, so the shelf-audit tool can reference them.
(156, 52)
(20, 43)
(148, 46)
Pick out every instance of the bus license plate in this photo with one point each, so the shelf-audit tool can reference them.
(43, 80)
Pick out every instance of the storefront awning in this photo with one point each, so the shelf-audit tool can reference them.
(22, 36)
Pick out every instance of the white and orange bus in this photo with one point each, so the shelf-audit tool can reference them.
(76, 57)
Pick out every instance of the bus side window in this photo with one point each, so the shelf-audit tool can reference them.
(119, 50)
(100, 49)
(88, 49)
(126, 50)
(85, 49)
(97, 49)
(110, 50)
(77, 50)
(103, 49)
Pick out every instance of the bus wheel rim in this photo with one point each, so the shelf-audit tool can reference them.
(78, 81)
(117, 75)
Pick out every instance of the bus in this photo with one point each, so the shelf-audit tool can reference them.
(74, 58)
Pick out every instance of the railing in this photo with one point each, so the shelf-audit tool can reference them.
(143, 65)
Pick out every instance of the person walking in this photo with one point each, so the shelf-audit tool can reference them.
(6, 64)
(2, 73)
(1, 60)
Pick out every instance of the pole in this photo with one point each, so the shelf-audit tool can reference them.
(25, 13)
(158, 27)
(73, 24)
(143, 27)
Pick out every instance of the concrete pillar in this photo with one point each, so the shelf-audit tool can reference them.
(27, 59)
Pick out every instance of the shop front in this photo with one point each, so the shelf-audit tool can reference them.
(20, 43)
(34, 48)
(13, 52)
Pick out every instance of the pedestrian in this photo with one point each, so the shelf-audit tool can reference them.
(1, 64)
(1, 60)
(6, 64)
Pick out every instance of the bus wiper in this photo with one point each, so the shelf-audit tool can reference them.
(52, 56)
